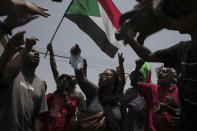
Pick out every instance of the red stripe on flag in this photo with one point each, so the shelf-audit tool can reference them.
(149, 77)
(112, 12)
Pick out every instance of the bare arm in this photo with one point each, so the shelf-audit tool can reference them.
(14, 66)
(79, 74)
(122, 75)
(142, 51)
(7, 55)
(85, 67)
(53, 63)
(37, 125)
(11, 49)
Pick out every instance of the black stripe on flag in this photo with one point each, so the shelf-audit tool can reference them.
(87, 25)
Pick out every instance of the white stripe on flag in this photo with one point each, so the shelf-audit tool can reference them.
(105, 24)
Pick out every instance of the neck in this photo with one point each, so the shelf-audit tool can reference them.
(28, 71)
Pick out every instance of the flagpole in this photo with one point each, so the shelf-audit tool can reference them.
(55, 33)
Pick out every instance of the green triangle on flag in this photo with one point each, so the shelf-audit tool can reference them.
(84, 7)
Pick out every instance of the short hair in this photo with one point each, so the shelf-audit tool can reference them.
(69, 78)
(62, 76)
(171, 72)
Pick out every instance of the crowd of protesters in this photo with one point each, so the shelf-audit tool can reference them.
(168, 105)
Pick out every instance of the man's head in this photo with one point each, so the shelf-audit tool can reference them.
(135, 77)
(165, 77)
(66, 82)
(32, 59)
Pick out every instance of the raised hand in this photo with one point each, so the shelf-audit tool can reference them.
(165, 108)
(85, 67)
(171, 102)
(75, 49)
(16, 41)
(34, 9)
(120, 58)
(139, 63)
(50, 47)
(175, 121)
(24, 13)
(30, 42)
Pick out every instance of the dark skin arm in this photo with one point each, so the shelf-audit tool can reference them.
(37, 125)
(14, 66)
(53, 63)
(166, 108)
(85, 67)
(142, 51)
(171, 102)
(139, 63)
(23, 13)
(80, 76)
(122, 74)
(11, 49)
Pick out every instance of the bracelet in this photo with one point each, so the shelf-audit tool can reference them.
(6, 28)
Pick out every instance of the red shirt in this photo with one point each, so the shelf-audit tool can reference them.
(153, 95)
(59, 115)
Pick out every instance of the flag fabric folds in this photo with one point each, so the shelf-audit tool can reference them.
(146, 71)
(99, 19)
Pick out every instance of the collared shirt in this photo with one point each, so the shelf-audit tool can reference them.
(153, 95)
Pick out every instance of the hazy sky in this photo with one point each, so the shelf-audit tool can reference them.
(69, 34)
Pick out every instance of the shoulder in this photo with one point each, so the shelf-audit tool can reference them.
(40, 82)
(183, 45)
(146, 84)
(39, 85)
(79, 94)
(87, 82)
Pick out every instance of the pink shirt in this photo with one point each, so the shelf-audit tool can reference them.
(153, 95)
